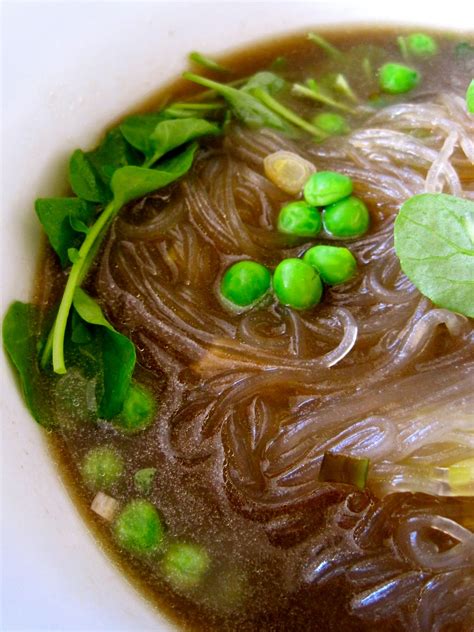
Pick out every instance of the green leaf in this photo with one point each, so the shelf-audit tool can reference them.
(20, 339)
(89, 310)
(173, 133)
(78, 225)
(244, 105)
(118, 354)
(73, 255)
(470, 97)
(80, 333)
(434, 240)
(268, 81)
(138, 128)
(60, 218)
(127, 184)
(90, 172)
(206, 62)
(130, 183)
(84, 179)
(113, 153)
(331, 50)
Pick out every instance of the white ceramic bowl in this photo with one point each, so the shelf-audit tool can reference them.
(69, 69)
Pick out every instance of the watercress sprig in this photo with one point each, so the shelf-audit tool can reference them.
(157, 134)
(65, 222)
(127, 183)
(312, 91)
(244, 105)
(20, 338)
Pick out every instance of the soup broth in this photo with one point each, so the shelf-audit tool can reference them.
(248, 401)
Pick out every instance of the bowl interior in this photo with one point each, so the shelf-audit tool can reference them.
(70, 69)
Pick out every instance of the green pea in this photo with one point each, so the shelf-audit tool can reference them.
(346, 218)
(101, 468)
(421, 45)
(331, 123)
(138, 410)
(138, 528)
(298, 218)
(245, 282)
(326, 187)
(185, 564)
(297, 284)
(397, 78)
(334, 264)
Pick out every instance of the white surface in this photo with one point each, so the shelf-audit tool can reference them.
(68, 70)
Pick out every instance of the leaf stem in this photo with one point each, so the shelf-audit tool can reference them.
(211, 93)
(195, 106)
(331, 50)
(46, 353)
(343, 86)
(76, 276)
(303, 91)
(287, 114)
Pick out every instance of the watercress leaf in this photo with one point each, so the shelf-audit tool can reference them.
(268, 81)
(78, 225)
(470, 97)
(119, 359)
(138, 128)
(173, 133)
(206, 62)
(85, 181)
(130, 183)
(90, 172)
(89, 310)
(193, 110)
(20, 339)
(80, 334)
(113, 153)
(73, 254)
(60, 218)
(434, 240)
(118, 356)
(244, 105)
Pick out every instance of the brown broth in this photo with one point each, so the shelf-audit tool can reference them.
(250, 585)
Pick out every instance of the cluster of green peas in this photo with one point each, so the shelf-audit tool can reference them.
(298, 283)
(397, 78)
(139, 528)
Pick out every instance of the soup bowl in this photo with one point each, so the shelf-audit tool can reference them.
(69, 70)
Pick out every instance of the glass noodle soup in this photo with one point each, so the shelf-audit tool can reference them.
(251, 336)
